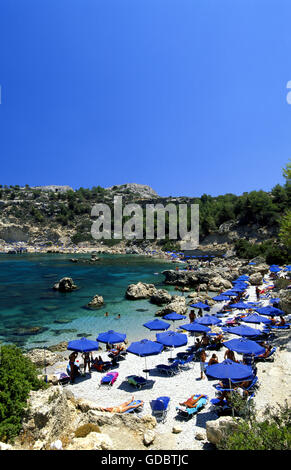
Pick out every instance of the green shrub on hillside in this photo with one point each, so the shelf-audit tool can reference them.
(271, 433)
(18, 376)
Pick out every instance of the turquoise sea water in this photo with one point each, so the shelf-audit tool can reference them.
(28, 300)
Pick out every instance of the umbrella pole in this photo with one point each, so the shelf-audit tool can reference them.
(232, 410)
(146, 367)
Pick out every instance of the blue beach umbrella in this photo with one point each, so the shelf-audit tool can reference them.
(220, 298)
(276, 300)
(244, 346)
(201, 305)
(229, 370)
(269, 310)
(208, 320)
(275, 269)
(255, 318)
(83, 345)
(145, 348)
(157, 325)
(195, 327)
(173, 316)
(111, 337)
(241, 305)
(172, 339)
(242, 330)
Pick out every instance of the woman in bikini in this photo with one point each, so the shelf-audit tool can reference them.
(123, 407)
(191, 402)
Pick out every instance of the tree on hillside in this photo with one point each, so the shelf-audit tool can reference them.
(285, 227)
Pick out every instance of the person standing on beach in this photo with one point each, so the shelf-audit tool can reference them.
(202, 363)
(192, 316)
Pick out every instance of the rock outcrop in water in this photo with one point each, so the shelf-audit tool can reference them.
(96, 302)
(66, 284)
(140, 290)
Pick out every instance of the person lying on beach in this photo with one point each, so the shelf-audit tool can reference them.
(192, 402)
(205, 340)
(123, 407)
(266, 353)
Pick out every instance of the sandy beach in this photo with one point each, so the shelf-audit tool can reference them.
(178, 387)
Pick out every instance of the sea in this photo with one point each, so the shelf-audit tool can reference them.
(33, 315)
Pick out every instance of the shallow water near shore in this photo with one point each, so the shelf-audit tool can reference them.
(27, 299)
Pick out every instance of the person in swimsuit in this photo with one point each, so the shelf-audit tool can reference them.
(123, 407)
(87, 361)
(191, 402)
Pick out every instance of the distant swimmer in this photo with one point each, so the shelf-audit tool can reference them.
(106, 314)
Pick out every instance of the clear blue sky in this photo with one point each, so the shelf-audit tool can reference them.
(188, 96)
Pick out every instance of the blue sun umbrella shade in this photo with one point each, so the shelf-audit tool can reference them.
(229, 370)
(201, 305)
(145, 348)
(174, 316)
(242, 331)
(157, 325)
(83, 345)
(195, 327)
(255, 318)
(244, 346)
(269, 311)
(111, 337)
(171, 338)
(208, 320)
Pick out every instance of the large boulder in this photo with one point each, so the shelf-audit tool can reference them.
(256, 279)
(218, 283)
(43, 357)
(160, 297)
(285, 300)
(216, 430)
(93, 441)
(178, 305)
(96, 302)
(66, 284)
(140, 291)
(47, 416)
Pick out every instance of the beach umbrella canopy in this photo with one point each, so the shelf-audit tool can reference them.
(157, 325)
(244, 346)
(276, 300)
(220, 298)
(255, 318)
(208, 320)
(172, 338)
(111, 337)
(241, 305)
(173, 316)
(195, 327)
(83, 345)
(275, 269)
(229, 293)
(269, 310)
(229, 370)
(242, 330)
(200, 305)
(145, 348)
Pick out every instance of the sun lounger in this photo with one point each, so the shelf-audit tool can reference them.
(133, 410)
(136, 381)
(186, 362)
(63, 378)
(169, 370)
(160, 408)
(109, 379)
(280, 327)
(189, 412)
(270, 357)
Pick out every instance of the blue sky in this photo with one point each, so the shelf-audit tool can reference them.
(188, 96)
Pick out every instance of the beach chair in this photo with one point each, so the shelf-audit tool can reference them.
(160, 408)
(171, 370)
(269, 358)
(187, 413)
(109, 379)
(63, 378)
(186, 362)
(133, 410)
(136, 381)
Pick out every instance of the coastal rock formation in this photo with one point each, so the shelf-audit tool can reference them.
(66, 284)
(140, 291)
(178, 305)
(180, 278)
(285, 300)
(215, 430)
(96, 302)
(48, 415)
(160, 297)
(256, 279)
(42, 357)
(93, 441)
